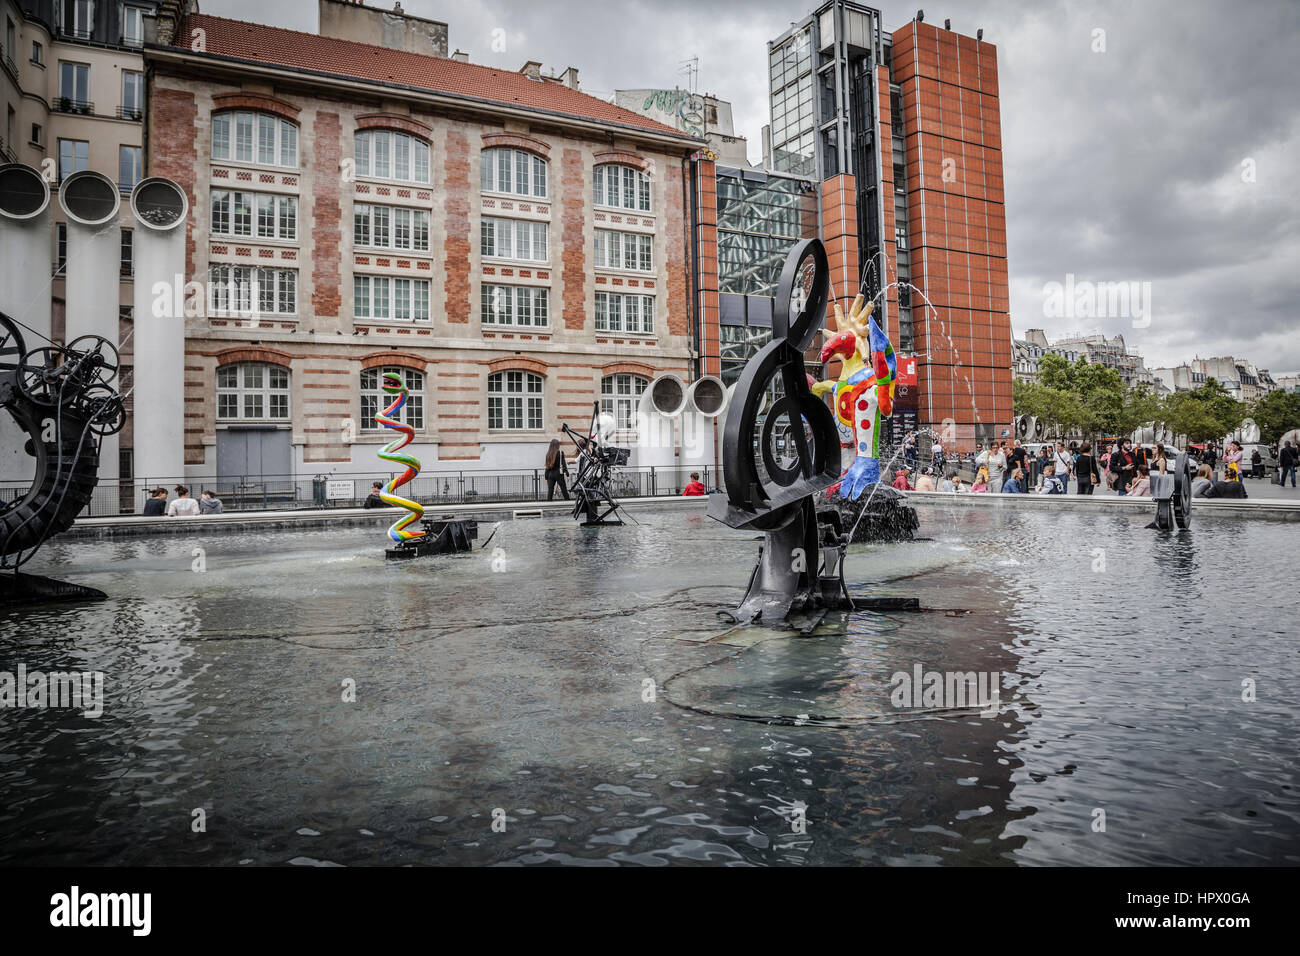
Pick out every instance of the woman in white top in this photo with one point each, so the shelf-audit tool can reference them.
(183, 506)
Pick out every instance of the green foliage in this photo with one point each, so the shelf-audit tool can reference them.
(1276, 414)
(1204, 413)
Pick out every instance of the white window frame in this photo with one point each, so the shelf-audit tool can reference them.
(516, 395)
(282, 146)
(617, 312)
(376, 151)
(246, 291)
(78, 70)
(374, 399)
(138, 105)
(253, 385)
(224, 203)
(134, 16)
(369, 221)
(65, 173)
(620, 395)
(136, 157)
(516, 240)
(513, 172)
(614, 250)
(377, 298)
(515, 306)
(630, 187)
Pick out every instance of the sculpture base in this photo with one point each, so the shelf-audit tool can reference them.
(888, 517)
(18, 588)
(441, 536)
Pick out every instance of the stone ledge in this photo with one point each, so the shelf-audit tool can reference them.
(1274, 508)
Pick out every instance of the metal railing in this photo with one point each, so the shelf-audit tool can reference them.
(7, 152)
(66, 104)
(8, 62)
(129, 113)
(432, 489)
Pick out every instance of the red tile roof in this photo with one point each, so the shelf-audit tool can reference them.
(346, 58)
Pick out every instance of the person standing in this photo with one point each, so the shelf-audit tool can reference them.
(936, 449)
(156, 506)
(557, 470)
(1086, 473)
(1232, 462)
(1286, 464)
(997, 467)
(1256, 464)
(210, 504)
(1123, 465)
(184, 506)
(1061, 459)
(1016, 458)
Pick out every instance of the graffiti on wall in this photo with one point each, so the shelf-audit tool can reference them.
(686, 110)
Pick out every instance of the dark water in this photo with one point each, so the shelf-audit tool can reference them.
(521, 689)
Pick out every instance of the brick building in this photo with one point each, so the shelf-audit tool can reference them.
(513, 246)
(903, 133)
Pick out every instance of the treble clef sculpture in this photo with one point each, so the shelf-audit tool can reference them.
(772, 468)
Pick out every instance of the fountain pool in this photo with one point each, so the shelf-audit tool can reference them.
(515, 680)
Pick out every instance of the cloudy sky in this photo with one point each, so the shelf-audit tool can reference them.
(1171, 158)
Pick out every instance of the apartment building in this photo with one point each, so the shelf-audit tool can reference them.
(513, 247)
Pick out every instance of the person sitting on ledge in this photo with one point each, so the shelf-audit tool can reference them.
(925, 481)
(981, 484)
(1203, 481)
(1142, 487)
(1051, 484)
(696, 487)
(900, 480)
(156, 506)
(1227, 489)
(184, 506)
(210, 504)
(1013, 484)
(373, 500)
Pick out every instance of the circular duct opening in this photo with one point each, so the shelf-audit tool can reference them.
(709, 396)
(89, 198)
(24, 193)
(667, 395)
(159, 203)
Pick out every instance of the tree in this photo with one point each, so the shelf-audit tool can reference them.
(1276, 414)
(1205, 413)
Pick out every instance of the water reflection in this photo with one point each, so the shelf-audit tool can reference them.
(545, 690)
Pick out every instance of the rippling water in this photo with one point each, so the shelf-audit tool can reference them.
(521, 691)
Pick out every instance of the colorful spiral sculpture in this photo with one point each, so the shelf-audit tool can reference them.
(392, 452)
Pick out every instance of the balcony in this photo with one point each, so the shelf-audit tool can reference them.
(66, 104)
(7, 153)
(9, 64)
(130, 113)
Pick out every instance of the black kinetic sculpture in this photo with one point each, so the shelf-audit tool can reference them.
(593, 495)
(63, 398)
(772, 471)
(1173, 495)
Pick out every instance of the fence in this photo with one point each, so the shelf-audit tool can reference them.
(431, 489)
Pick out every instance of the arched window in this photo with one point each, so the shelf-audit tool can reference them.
(388, 154)
(513, 171)
(244, 136)
(622, 187)
(252, 392)
(620, 395)
(515, 401)
(374, 399)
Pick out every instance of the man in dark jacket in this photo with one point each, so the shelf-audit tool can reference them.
(1124, 466)
(1286, 464)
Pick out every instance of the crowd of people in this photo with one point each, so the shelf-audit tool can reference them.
(1007, 467)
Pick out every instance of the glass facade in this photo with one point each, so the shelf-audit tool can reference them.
(793, 121)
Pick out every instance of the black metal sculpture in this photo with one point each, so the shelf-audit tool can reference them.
(63, 398)
(593, 495)
(1173, 495)
(441, 536)
(772, 471)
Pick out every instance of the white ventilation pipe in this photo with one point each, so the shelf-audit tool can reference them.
(706, 401)
(25, 248)
(160, 210)
(91, 203)
(662, 403)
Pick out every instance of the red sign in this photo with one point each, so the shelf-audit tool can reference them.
(906, 365)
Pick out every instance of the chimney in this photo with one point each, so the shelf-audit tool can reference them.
(460, 56)
(532, 69)
(395, 29)
(570, 78)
